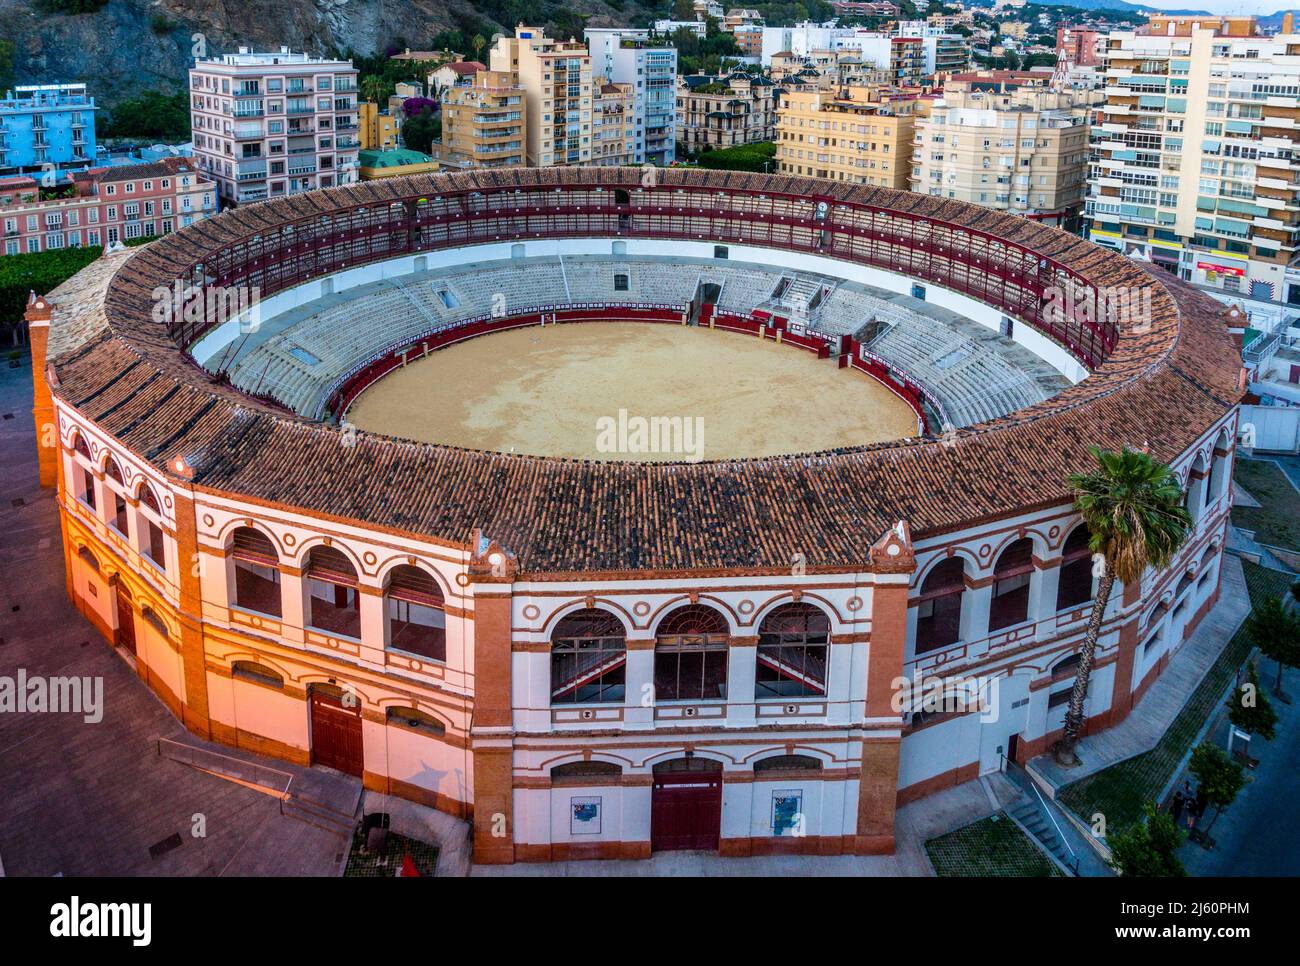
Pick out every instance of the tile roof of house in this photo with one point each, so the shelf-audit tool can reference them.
(1162, 387)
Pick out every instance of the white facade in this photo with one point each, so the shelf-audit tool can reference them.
(267, 125)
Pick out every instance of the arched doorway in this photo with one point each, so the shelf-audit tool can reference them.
(335, 728)
(125, 618)
(686, 805)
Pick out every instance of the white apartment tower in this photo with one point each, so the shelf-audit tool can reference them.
(630, 57)
(1196, 153)
(267, 125)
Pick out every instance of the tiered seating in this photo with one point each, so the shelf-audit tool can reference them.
(299, 357)
(972, 383)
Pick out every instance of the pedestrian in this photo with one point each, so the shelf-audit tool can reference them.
(1196, 809)
(1176, 808)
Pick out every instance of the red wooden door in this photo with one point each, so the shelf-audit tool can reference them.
(335, 732)
(686, 805)
(125, 620)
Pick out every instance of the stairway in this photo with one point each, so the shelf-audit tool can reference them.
(1030, 815)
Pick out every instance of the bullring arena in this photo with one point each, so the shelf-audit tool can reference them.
(359, 525)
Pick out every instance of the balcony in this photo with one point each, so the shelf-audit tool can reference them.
(302, 168)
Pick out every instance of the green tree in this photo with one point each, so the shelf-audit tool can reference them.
(152, 115)
(419, 132)
(1147, 849)
(1217, 776)
(1133, 508)
(1249, 708)
(1276, 632)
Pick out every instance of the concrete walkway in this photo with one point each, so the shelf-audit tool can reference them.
(1148, 721)
(1257, 835)
(915, 825)
(82, 798)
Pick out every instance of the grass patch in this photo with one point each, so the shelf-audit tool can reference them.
(991, 846)
(1277, 522)
(374, 866)
(1118, 792)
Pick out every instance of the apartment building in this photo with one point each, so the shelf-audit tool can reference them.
(1007, 141)
(268, 125)
(1083, 48)
(485, 123)
(107, 205)
(862, 135)
(47, 130)
(721, 112)
(380, 130)
(613, 124)
(625, 56)
(556, 80)
(1196, 156)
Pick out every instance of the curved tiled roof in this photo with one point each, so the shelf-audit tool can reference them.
(1162, 387)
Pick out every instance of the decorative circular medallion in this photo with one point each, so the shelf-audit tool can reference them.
(532, 611)
(462, 580)
(640, 608)
(745, 606)
(207, 520)
(854, 604)
(290, 540)
(985, 550)
(368, 558)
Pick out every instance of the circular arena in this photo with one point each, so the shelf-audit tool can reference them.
(608, 513)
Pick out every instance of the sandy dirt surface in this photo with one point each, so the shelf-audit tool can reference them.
(559, 390)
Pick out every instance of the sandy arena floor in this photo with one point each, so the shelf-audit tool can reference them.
(558, 391)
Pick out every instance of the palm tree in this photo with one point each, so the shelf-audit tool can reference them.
(1133, 508)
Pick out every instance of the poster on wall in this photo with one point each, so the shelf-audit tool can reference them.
(584, 816)
(787, 812)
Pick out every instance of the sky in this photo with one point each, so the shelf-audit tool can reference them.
(1257, 8)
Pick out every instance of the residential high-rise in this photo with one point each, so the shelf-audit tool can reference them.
(484, 122)
(268, 125)
(556, 79)
(613, 123)
(47, 131)
(861, 135)
(1005, 140)
(1196, 153)
(627, 56)
(379, 128)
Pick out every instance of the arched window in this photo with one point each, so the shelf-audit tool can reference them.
(691, 655)
(938, 607)
(83, 480)
(1075, 584)
(257, 673)
(88, 559)
(793, 649)
(1183, 584)
(1066, 667)
(588, 658)
(1195, 497)
(118, 521)
(779, 763)
(1011, 578)
(257, 571)
(585, 772)
(332, 592)
(1219, 468)
(151, 536)
(415, 720)
(416, 612)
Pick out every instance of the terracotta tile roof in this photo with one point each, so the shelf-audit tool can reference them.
(1162, 388)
